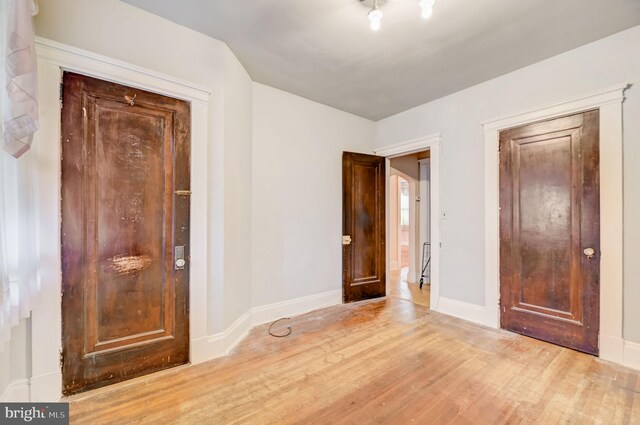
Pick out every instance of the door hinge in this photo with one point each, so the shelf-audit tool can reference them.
(61, 92)
(61, 358)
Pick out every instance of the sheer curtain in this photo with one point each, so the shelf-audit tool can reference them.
(18, 225)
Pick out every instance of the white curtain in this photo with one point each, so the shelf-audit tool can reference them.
(20, 95)
(18, 225)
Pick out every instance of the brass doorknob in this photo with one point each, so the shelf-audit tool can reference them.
(589, 252)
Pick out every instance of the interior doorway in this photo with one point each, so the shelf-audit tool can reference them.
(409, 216)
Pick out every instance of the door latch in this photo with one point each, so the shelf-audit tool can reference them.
(180, 261)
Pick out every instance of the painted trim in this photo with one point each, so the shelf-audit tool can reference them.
(632, 355)
(425, 199)
(54, 58)
(408, 147)
(609, 102)
(431, 142)
(467, 311)
(16, 391)
(295, 307)
(595, 100)
(223, 343)
(104, 67)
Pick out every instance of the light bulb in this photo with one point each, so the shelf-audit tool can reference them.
(375, 16)
(427, 12)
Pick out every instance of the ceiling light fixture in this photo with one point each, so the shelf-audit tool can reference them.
(375, 16)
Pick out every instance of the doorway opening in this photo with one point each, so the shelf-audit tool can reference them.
(409, 236)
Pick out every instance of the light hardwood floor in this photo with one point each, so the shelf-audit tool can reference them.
(378, 362)
(401, 288)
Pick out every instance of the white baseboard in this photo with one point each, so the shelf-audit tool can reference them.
(632, 355)
(294, 307)
(16, 391)
(471, 312)
(611, 348)
(221, 344)
(47, 387)
(212, 346)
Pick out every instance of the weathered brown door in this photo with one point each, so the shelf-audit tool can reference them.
(363, 225)
(550, 231)
(125, 159)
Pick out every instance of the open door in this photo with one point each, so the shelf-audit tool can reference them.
(363, 226)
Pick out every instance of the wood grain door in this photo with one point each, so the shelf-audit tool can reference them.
(550, 230)
(363, 225)
(125, 209)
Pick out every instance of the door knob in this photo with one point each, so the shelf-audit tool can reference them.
(589, 252)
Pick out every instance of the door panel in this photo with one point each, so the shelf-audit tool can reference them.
(549, 213)
(124, 307)
(364, 261)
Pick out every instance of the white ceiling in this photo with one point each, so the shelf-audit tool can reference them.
(324, 50)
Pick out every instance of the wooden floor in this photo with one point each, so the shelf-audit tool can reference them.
(400, 287)
(378, 362)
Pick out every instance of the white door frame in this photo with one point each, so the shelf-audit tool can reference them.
(412, 225)
(609, 102)
(46, 321)
(425, 204)
(431, 142)
(394, 226)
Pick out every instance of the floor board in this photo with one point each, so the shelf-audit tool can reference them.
(400, 287)
(386, 361)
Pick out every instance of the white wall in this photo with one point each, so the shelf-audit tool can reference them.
(297, 193)
(238, 102)
(15, 364)
(590, 68)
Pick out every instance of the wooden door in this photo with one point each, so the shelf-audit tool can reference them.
(125, 209)
(550, 231)
(363, 225)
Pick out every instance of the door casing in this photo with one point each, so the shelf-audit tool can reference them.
(609, 102)
(54, 58)
(431, 143)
